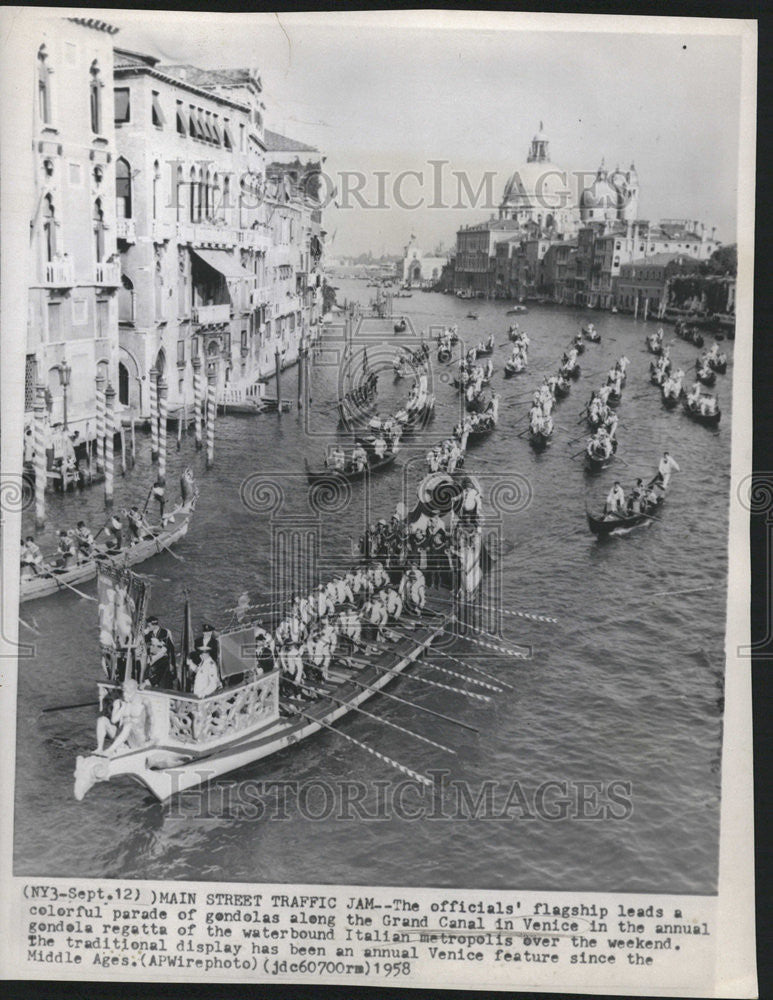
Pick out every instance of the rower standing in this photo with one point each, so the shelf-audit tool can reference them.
(666, 466)
(615, 503)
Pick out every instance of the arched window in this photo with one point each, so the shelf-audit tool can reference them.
(123, 189)
(49, 227)
(95, 98)
(44, 87)
(161, 362)
(180, 187)
(98, 223)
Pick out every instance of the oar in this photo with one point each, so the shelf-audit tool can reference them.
(420, 680)
(577, 454)
(27, 625)
(377, 718)
(470, 666)
(422, 778)
(413, 704)
(64, 583)
(455, 673)
(64, 708)
(160, 544)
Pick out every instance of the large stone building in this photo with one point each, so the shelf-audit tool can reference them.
(72, 321)
(215, 252)
(556, 238)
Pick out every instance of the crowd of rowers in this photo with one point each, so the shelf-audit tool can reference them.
(447, 337)
(401, 540)
(78, 545)
(520, 352)
(641, 499)
(348, 614)
(601, 417)
(671, 384)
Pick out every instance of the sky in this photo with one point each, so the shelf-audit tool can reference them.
(378, 92)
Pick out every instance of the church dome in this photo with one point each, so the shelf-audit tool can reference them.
(539, 185)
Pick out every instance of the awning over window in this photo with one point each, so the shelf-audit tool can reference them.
(223, 262)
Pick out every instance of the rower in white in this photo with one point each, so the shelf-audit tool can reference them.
(615, 502)
(666, 466)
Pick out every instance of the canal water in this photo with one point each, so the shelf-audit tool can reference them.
(626, 688)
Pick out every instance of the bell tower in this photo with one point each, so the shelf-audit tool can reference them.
(539, 153)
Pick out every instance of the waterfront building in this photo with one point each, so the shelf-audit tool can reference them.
(72, 318)
(418, 269)
(563, 243)
(192, 232)
(642, 286)
(216, 253)
(294, 210)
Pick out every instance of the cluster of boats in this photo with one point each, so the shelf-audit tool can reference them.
(519, 357)
(701, 406)
(601, 446)
(357, 402)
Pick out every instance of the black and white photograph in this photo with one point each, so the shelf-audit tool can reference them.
(383, 417)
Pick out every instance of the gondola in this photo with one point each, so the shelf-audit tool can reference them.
(579, 346)
(482, 351)
(516, 311)
(706, 377)
(669, 400)
(562, 388)
(573, 372)
(614, 397)
(659, 371)
(688, 333)
(619, 524)
(472, 315)
(590, 333)
(719, 365)
(511, 368)
(707, 419)
(477, 434)
(400, 326)
(539, 440)
(654, 344)
(593, 463)
(348, 473)
(175, 527)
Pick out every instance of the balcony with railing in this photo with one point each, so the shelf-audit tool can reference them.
(179, 719)
(206, 234)
(125, 230)
(60, 273)
(211, 315)
(107, 272)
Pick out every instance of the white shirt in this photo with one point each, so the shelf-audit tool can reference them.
(207, 680)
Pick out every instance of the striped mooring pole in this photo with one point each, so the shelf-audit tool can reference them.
(100, 431)
(109, 441)
(40, 456)
(197, 401)
(163, 390)
(211, 410)
(153, 374)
